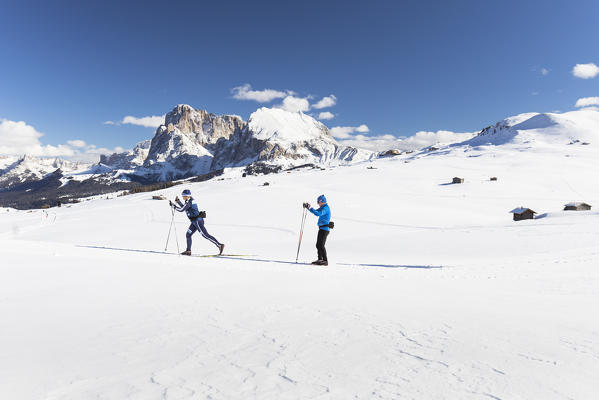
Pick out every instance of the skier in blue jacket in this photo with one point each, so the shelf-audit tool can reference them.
(190, 207)
(323, 212)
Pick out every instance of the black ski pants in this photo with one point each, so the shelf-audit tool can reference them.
(198, 225)
(320, 242)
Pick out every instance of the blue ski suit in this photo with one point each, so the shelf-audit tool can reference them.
(324, 216)
(197, 224)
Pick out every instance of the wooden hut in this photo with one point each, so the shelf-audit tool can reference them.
(391, 153)
(521, 213)
(577, 206)
(458, 180)
(493, 178)
(158, 197)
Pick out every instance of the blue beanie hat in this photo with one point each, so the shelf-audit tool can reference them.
(321, 199)
(186, 192)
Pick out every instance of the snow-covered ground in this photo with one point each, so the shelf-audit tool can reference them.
(432, 291)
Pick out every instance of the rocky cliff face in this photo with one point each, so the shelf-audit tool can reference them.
(182, 146)
(174, 155)
(205, 128)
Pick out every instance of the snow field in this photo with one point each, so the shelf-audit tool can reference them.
(432, 291)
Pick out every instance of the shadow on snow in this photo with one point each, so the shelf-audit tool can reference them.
(263, 260)
(130, 250)
(395, 266)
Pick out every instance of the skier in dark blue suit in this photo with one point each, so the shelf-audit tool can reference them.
(323, 212)
(197, 222)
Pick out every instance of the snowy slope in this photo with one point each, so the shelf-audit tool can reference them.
(541, 130)
(433, 292)
(5, 161)
(286, 127)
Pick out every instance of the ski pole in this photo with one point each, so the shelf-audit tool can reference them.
(169, 229)
(176, 236)
(301, 233)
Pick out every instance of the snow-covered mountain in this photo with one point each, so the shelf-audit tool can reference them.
(18, 170)
(283, 138)
(183, 145)
(174, 154)
(194, 142)
(540, 130)
(189, 143)
(130, 159)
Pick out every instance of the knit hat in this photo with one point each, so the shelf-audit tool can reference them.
(321, 199)
(186, 192)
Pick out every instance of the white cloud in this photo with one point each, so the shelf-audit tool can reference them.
(149, 122)
(245, 92)
(418, 141)
(76, 143)
(587, 101)
(294, 104)
(291, 102)
(544, 71)
(18, 138)
(325, 102)
(110, 123)
(326, 115)
(344, 132)
(585, 71)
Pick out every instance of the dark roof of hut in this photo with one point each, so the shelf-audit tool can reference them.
(521, 210)
(577, 203)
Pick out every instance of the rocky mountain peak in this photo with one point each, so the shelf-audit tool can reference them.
(205, 128)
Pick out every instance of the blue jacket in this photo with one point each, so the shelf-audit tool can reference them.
(324, 216)
(190, 207)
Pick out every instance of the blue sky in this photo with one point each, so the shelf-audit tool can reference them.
(396, 67)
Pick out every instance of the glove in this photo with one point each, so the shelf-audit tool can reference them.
(307, 205)
(177, 199)
(170, 203)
